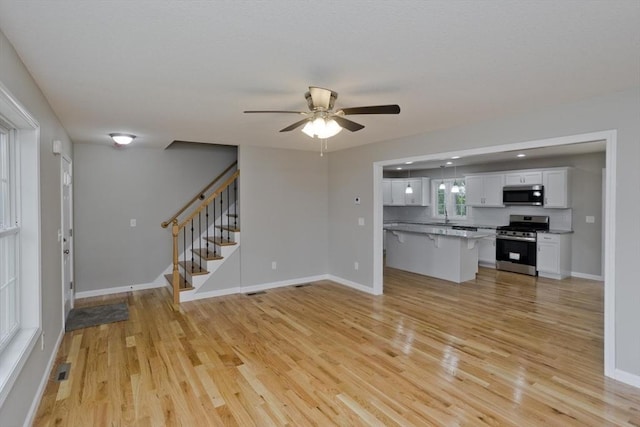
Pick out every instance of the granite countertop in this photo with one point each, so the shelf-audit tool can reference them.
(557, 232)
(441, 224)
(436, 230)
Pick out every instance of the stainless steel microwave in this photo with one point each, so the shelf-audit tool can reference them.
(528, 195)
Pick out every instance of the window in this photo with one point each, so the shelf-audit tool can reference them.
(447, 204)
(9, 239)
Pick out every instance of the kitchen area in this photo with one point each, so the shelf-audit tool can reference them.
(538, 214)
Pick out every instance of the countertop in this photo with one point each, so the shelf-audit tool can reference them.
(436, 230)
(441, 224)
(556, 232)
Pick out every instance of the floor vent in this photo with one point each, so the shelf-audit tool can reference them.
(250, 294)
(62, 373)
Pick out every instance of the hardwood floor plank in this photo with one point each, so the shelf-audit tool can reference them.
(502, 350)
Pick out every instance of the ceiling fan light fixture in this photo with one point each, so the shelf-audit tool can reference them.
(321, 128)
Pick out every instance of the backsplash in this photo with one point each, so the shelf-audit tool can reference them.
(559, 219)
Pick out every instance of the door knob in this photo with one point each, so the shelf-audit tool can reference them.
(66, 251)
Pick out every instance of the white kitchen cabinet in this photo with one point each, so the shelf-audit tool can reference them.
(484, 190)
(394, 192)
(487, 249)
(397, 192)
(523, 178)
(421, 192)
(386, 192)
(554, 255)
(556, 188)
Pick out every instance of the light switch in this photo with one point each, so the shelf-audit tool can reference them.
(132, 223)
(591, 219)
(361, 221)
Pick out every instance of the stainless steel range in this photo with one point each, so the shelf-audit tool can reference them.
(516, 243)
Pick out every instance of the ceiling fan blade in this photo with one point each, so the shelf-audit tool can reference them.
(275, 111)
(374, 109)
(321, 97)
(294, 126)
(347, 124)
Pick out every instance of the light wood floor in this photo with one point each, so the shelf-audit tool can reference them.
(504, 349)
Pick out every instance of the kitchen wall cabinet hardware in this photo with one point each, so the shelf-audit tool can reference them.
(484, 190)
(554, 255)
(523, 178)
(556, 188)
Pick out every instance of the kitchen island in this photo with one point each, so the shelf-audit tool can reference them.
(434, 251)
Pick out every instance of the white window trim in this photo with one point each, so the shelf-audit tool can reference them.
(26, 131)
(450, 200)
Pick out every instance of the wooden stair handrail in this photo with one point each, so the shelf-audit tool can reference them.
(200, 194)
(209, 199)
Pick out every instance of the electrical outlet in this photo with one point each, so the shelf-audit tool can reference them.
(274, 265)
(356, 265)
(590, 219)
(132, 223)
(361, 221)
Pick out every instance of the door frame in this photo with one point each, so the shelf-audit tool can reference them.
(610, 138)
(65, 158)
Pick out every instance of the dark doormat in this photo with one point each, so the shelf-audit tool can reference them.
(86, 317)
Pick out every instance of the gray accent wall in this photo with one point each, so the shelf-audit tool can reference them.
(15, 77)
(114, 186)
(284, 205)
(351, 173)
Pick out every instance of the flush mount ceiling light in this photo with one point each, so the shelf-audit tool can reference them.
(122, 138)
(521, 155)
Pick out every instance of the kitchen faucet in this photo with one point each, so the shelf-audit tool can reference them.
(446, 215)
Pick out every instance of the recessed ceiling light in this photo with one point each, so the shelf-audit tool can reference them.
(449, 162)
(408, 163)
(455, 157)
(521, 155)
(399, 169)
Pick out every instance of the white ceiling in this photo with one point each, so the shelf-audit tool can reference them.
(185, 70)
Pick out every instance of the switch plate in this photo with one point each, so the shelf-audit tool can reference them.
(356, 265)
(361, 221)
(591, 219)
(274, 265)
(132, 223)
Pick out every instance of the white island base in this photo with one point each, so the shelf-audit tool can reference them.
(453, 258)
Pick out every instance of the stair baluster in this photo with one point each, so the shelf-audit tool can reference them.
(207, 229)
(228, 219)
(199, 240)
(235, 204)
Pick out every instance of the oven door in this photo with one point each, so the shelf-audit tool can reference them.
(517, 254)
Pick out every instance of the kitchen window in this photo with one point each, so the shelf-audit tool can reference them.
(447, 204)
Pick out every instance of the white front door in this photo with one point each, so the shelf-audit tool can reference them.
(67, 236)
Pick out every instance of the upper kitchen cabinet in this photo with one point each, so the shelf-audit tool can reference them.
(556, 188)
(484, 190)
(523, 178)
(394, 192)
(420, 194)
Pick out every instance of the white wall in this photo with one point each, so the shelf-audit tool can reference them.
(17, 80)
(283, 199)
(351, 173)
(113, 186)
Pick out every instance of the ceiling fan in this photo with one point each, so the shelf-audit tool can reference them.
(321, 121)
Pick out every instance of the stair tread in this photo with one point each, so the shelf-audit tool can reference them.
(221, 241)
(193, 268)
(208, 255)
(184, 285)
(228, 227)
(233, 215)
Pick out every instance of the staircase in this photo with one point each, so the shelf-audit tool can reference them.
(205, 232)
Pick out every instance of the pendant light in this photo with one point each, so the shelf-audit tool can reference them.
(408, 190)
(442, 186)
(455, 189)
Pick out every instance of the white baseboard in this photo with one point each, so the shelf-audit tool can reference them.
(282, 283)
(43, 383)
(587, 276)
(119, 289)
(189, 296)
(627, 378)
(351, 284)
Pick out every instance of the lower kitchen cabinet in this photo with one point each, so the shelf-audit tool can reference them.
(554, 255)
(487, 250)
